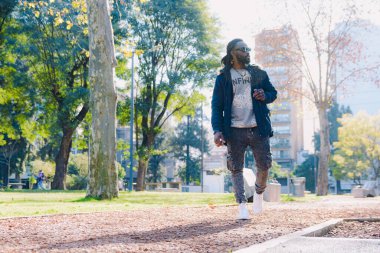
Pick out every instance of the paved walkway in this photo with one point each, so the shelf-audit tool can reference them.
(303, 242)
(179, 229)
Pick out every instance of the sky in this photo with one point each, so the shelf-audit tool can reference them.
(246, 18)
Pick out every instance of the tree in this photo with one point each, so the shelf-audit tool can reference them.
(6, 8)
(179, 54)
(334, 114)
(358, 147)
(187, 147)
(309, 170)
(54, 46)
(103, 173)
(18, 128)
(277, 172)
(160, 152)
(326, 49)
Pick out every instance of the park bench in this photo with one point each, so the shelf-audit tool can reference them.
(163, 186)
(17, 185)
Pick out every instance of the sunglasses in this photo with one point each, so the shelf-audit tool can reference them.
(244, 49)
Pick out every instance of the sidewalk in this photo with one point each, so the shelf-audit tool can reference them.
(303, 241)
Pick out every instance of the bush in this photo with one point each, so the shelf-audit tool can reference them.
(78, 165)
(47, 167)
(75, 182)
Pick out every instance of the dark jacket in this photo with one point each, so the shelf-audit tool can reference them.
(222, 98)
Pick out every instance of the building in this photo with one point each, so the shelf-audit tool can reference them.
(215, 170)
(276, 52)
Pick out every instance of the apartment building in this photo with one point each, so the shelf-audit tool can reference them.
(276, 52)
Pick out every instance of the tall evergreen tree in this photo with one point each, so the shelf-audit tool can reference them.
(187, 147)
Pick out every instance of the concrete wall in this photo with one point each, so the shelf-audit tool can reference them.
(213, 183)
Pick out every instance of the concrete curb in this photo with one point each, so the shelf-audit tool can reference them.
(312, 236)
(312, 231)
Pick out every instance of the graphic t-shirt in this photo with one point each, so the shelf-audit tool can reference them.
(242, 111)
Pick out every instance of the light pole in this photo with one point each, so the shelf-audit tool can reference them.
(187, 174)
(202, 144)
(130, 185)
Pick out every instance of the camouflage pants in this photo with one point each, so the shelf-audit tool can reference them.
(240, 139)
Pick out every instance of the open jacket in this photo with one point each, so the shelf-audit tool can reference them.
(222, 98)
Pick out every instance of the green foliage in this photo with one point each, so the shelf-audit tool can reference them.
(77, 172)
(308, 169)
(276, 171)
(357, 152)
(47, 167)
(123, 111)
(120, 171)
(78, 165)
(189, 133)
(154, 171)
(177, 54)
(50, 40)
(76, 182)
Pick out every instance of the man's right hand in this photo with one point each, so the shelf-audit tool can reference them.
(219, 139)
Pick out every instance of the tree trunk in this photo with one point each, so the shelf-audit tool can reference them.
(61, 161)
(141, 172)
(102, 173)
(322, 187)
(144, 154)
(8, 172)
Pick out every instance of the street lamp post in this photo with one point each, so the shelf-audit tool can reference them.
(202, 144)
(130, 185)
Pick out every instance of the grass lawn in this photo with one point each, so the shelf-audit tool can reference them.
(31, 202)
(28, 203)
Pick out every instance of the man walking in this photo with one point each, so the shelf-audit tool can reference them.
(40, 180)
(240, 118)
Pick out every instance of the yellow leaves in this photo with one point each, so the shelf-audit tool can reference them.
(2, 141)
(139, 52)
(86, 52)
(32, 5)
(79, 5)
(144, 1)
(69, 24)
(36, 14)
(85, 31)
(51, 1)
(41, 3)
(74, 41)
(51, 12)
(76, 4)
(58, 20)
(126, 53)
(82, 19)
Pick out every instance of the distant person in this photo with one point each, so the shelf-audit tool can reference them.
(240, 118)
(40, 180)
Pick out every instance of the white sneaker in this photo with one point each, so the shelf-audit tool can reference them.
(257, 203)
(243, 212)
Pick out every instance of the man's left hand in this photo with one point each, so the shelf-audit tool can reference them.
(259, 94)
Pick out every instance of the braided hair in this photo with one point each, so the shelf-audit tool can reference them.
(227, 59)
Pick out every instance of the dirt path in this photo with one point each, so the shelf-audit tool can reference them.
(185, 229)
